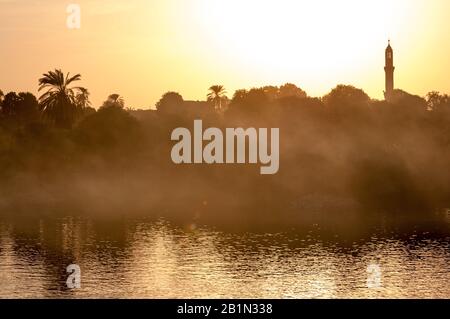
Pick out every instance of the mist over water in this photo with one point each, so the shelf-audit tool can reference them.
(362, 188)
(340, 154)
(259, 192)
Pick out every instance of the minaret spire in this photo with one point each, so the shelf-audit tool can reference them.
(389, 70)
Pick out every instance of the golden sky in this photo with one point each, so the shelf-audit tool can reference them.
(143, 48)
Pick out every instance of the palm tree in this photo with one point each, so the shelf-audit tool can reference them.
(82, 99)
(217, 95)
(114, 100)
(59, 102)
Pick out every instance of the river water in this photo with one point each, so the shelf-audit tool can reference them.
(141, 258)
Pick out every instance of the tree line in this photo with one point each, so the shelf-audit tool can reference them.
(340, 152)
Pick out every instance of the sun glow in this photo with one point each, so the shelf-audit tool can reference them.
(188, 45)
(314, 39)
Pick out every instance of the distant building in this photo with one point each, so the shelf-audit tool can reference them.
(389, 70)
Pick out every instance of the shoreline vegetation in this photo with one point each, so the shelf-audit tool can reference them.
(345, 159)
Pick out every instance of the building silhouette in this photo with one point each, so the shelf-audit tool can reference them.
(389, 70)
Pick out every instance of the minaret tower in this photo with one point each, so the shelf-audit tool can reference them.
(389, 70)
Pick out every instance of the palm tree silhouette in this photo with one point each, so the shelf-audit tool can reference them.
(59, 102)
(217, 95)
(82, 99)
(114, 100)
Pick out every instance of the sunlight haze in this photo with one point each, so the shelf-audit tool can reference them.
(143, 48)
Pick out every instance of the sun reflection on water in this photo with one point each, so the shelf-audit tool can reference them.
(147, 259)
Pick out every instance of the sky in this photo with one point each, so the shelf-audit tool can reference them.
(141, 49)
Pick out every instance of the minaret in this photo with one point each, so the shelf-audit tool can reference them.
(389, 70)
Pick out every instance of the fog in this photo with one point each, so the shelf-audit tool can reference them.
(345, 160)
